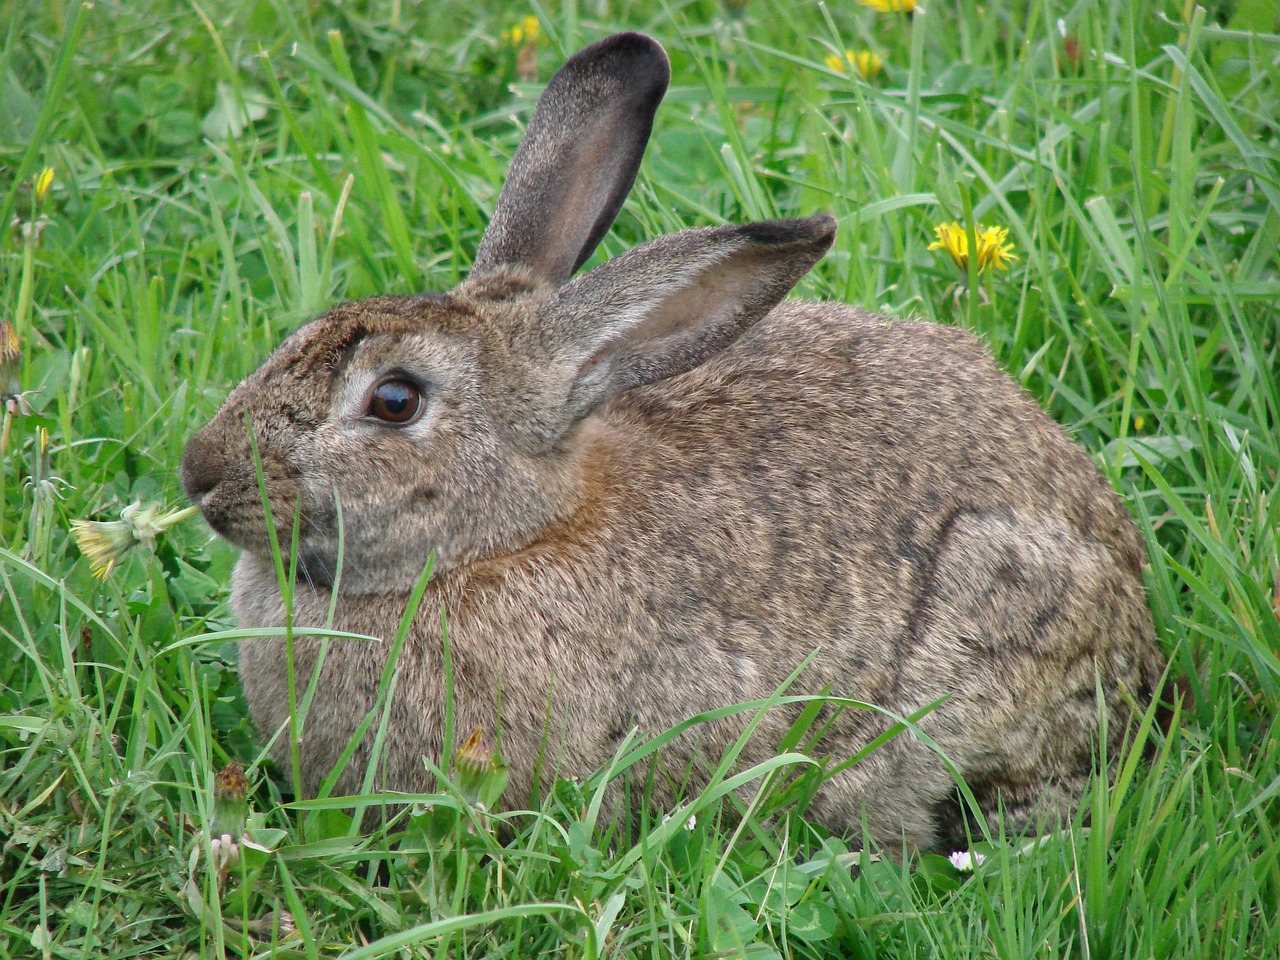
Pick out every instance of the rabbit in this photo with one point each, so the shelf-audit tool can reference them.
(654, 490)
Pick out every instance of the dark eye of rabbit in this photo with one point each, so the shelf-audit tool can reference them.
(395, 401)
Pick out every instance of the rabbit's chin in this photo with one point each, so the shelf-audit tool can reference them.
(319, 573)
(320, 568)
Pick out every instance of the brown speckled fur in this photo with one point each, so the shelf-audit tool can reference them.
(653, 490)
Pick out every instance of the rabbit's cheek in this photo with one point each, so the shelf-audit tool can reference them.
(370, 536)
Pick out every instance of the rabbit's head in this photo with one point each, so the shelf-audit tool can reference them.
(461, 423)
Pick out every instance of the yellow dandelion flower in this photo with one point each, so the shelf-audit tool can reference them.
(890, 6)
(994, 252)
(952, 238)
(868, 63)
(105, 542)
(865, 62)
(526, 31)
(43, 183)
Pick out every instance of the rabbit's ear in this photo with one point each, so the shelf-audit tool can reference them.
(667, 306)
(578, 158)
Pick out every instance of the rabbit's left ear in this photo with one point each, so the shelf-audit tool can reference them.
(578, 159)
(671, 304)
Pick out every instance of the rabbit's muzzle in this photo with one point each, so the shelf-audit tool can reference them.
(221, 478)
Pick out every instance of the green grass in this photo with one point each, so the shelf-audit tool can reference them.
(222, 171)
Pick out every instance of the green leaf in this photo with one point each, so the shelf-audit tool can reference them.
(127, 111)
(231, 113)
(776, 890)
(729, 927)
(811, 920)
(19, 112)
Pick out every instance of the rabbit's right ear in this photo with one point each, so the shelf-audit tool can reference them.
(578, 159)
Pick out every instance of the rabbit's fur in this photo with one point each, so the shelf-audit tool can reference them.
(654, 490)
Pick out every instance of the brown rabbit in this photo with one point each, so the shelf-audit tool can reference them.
(654, 490)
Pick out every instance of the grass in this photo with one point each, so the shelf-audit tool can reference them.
(221, 171)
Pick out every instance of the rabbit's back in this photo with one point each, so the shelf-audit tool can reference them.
(901, 422)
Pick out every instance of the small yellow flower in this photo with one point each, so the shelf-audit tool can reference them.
(866, 62)
(890, 6)
(105, 542)
(43, 183)
(994, 253)
(526, 31)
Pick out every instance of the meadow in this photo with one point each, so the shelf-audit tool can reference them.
(181, 184)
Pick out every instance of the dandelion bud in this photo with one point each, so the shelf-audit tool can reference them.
(43, 183)
(230, 801)
(481, 778)
(11, 395)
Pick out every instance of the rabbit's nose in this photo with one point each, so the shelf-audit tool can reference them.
(203, 465)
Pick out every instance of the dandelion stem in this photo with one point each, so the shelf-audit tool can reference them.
(179, 516)
(22, 314)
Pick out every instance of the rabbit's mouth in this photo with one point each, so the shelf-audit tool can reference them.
(247, 529)
(235, 512)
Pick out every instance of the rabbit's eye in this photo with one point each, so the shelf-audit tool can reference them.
(395, 401)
